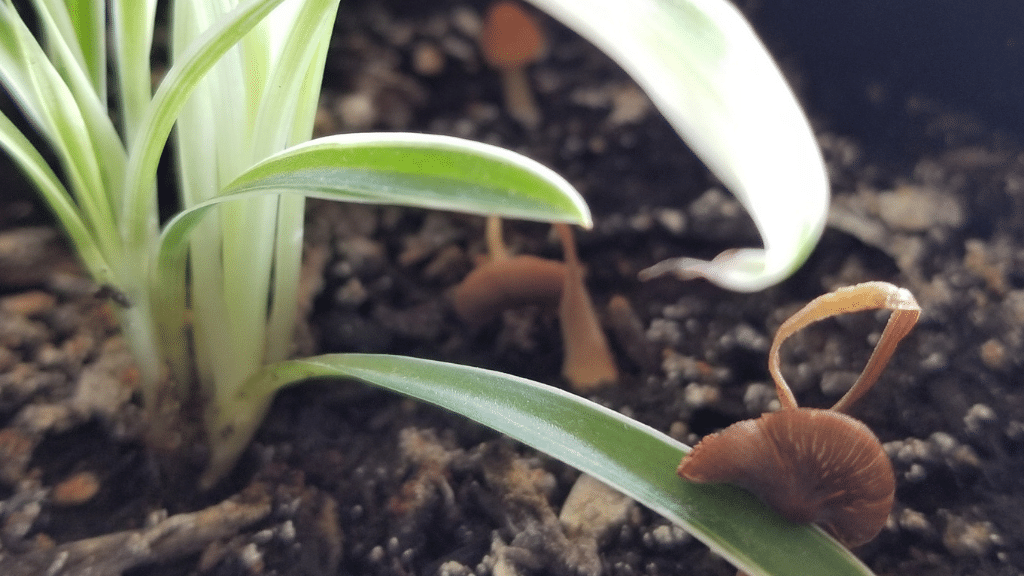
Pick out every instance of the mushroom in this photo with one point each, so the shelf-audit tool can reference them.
(499, 285)
(505, 281)
(511, 40)
(814, 465)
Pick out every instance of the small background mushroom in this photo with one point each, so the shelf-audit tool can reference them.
(510, 41)
(503, 282)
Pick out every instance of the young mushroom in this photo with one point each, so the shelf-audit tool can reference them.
(808, 464)
(505, 281)
(511, 40)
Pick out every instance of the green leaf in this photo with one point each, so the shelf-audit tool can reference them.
(625, 454)
(63, 45)
(425, 171)
(301, 93)
(50, 105)
(155, 126)
(428, 171)
(34, 167)
(131, 30)
(704, 68)
(87, 19)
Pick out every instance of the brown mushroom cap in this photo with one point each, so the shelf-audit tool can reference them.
(511, 37)
(506, 283)
(810, 465)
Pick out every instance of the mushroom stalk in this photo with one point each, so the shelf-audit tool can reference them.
(588, 362)
(496, 247)
(519, 100)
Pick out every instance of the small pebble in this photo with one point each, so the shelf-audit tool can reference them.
(837, 382)
(18, 523)
(76, 489)
(263, 536)
(436, 232)
(427, 59)
(356, 111)
(20, 332)
(667, 537)
(590, 97)
(700, 395)
(15, 452)
(40, 418)
(944, 441)
(467, 21)
(934, 362)
(994, 355)
(351, 294)
(678, 430)
(977, 416)
(665, 332)
(359, 256)
(30, 304)
(715, 215)
(594, 509)
(377, 554)
(915, 473)
(287, 531)
(919, 209)
(629, 105)
(79, 347)
(983, 261)
(32, 255)
(448, 266)
(914, 521)
(49, 357)
(8, 359)
(1015, 430)
(968, 538)
(671, 219)
(759, 398)
(940, 447)
(251, 558)
(641, 222)
(453, 568)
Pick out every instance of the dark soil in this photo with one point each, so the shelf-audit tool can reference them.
(344, 479)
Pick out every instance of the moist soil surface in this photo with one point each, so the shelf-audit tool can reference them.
(346, 479)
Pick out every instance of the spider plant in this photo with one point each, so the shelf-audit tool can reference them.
(207, 298)
(211, 296)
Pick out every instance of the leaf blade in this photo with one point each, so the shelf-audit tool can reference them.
(705, 69)
(34, 167)
(625, 454)
(385, 167)
(139, 211)
(400, 169)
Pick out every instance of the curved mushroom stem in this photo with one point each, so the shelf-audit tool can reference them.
(865, 296)
(588, 362)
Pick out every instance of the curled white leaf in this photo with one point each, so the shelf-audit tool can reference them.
(703, 66)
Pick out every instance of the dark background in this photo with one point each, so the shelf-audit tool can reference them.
(967, 55)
